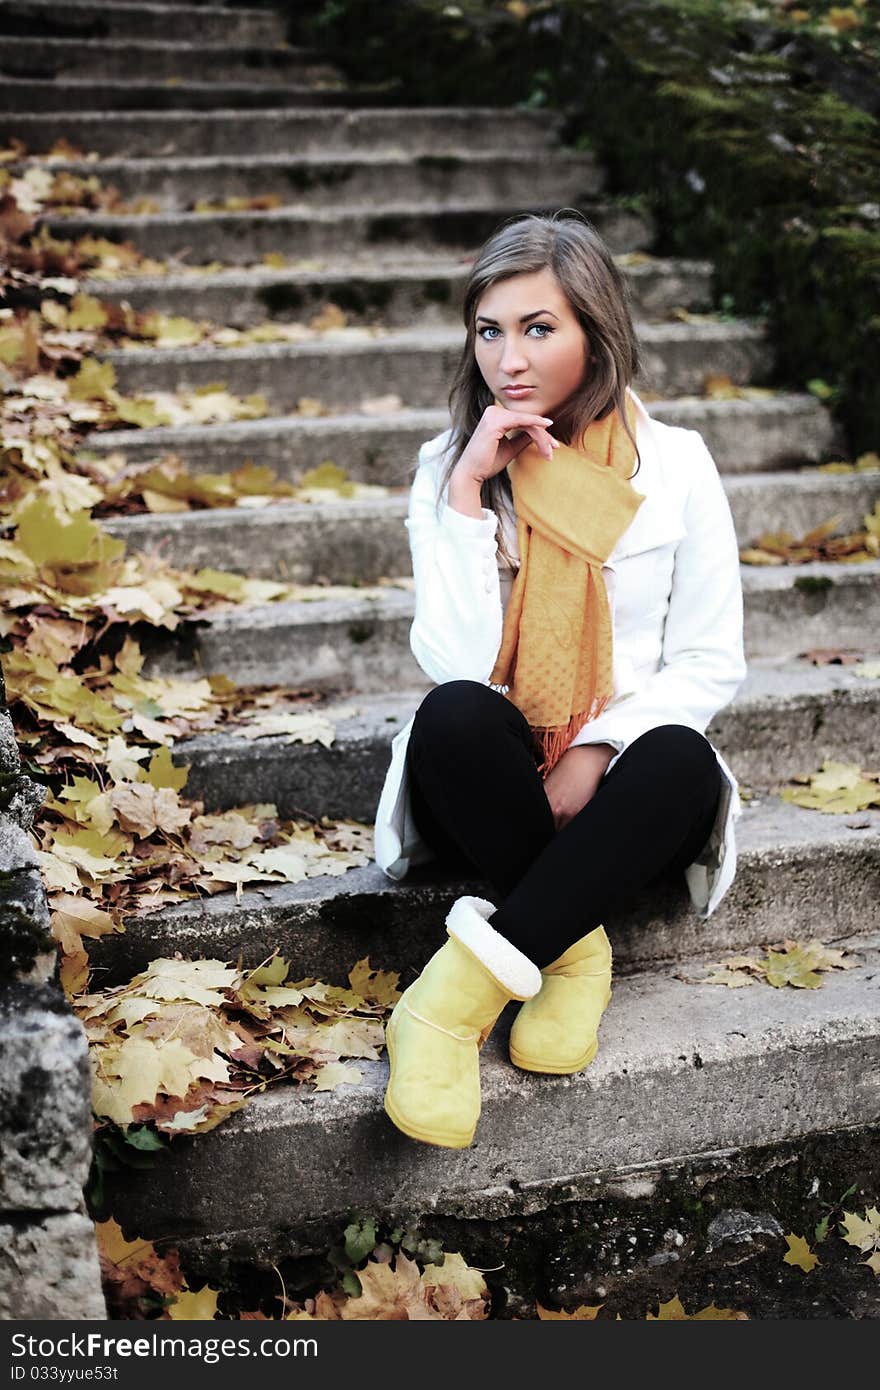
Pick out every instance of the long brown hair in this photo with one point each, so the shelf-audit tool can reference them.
(573, 250)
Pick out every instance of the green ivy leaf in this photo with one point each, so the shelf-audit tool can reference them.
(360, 1239)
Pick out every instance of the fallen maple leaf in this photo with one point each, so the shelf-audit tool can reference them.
(585, 1313)
(864, 1234)
(837, 788)
(198, 1306)
(799, 1253)
(673, 1311)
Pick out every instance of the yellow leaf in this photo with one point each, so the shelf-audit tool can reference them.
(200, 1306)
(379, 986)
(309, 406)
(142, 808)
(74, 973)
(673, 1311)
(57, 874)
(752, 556)
(162, 772)
(334, 1074)
(456, 1273)
(720, 388)
(86, 312)
(734, 979)
(863, 1232)
(122, 760)
(838, 788)
(799, 1253)
(587, 1312)
(199, 981)
(328, 319)
(134, 1071)
(140, 411)
(98, 854)
(129, 658)
(82, 916)
(93, 381)
(49, 539)
(841, 19)
(158, 502)
(793, 967)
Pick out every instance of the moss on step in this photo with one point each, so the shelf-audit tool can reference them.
(813, 583)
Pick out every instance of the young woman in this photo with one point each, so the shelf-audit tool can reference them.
(578, 604)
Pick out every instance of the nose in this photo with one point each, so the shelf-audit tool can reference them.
(513, 359)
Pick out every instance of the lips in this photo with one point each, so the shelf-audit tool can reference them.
(516, 390)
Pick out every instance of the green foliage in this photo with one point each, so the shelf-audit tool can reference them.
(750, 131)
(114, 1148)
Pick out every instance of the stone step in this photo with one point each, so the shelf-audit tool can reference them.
(788, 717)
(419, 362)
(179, 95)
(790, 860)
(422, 289)
(744, 436)
(137, 59)
(59, 19)
(682, 1070)
(359, 541)
(155, 134)
(324, 181)
(362, 643)
(239, 238)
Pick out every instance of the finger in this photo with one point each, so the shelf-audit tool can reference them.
(544, 442)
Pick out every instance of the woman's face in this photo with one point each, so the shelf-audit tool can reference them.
(527, 334)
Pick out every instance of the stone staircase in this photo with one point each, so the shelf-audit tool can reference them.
(684, 1071)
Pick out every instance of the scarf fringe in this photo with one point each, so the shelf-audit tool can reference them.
(553, 742)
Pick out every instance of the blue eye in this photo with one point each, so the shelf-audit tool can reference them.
(490, 328)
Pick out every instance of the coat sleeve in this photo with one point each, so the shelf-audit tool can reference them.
(456, 630)
(703, 659)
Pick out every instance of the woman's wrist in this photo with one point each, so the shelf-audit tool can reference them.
(465, 495)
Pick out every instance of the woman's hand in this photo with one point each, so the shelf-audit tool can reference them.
(574, 779)
(488, 452)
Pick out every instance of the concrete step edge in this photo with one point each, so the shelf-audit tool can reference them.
(238, 527)
(788, 858)
(423, 208)
(425, 339)
(703, 1054)
(413, 267)
(170, 165)
(396, 600)
(179, 47)
(433, 422)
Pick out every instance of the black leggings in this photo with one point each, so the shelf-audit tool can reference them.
(479, 801)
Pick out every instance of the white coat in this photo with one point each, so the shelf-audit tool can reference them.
(675, 593)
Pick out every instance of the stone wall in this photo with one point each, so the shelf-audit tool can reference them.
(48, 1256)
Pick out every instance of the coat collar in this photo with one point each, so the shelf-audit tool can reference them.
(656, 522)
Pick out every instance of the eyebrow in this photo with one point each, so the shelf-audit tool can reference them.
(525, 318)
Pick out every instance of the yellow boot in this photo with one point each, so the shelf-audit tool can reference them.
(440, 1022)
(556, 1031)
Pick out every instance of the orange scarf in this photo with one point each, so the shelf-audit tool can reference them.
(556, 653)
